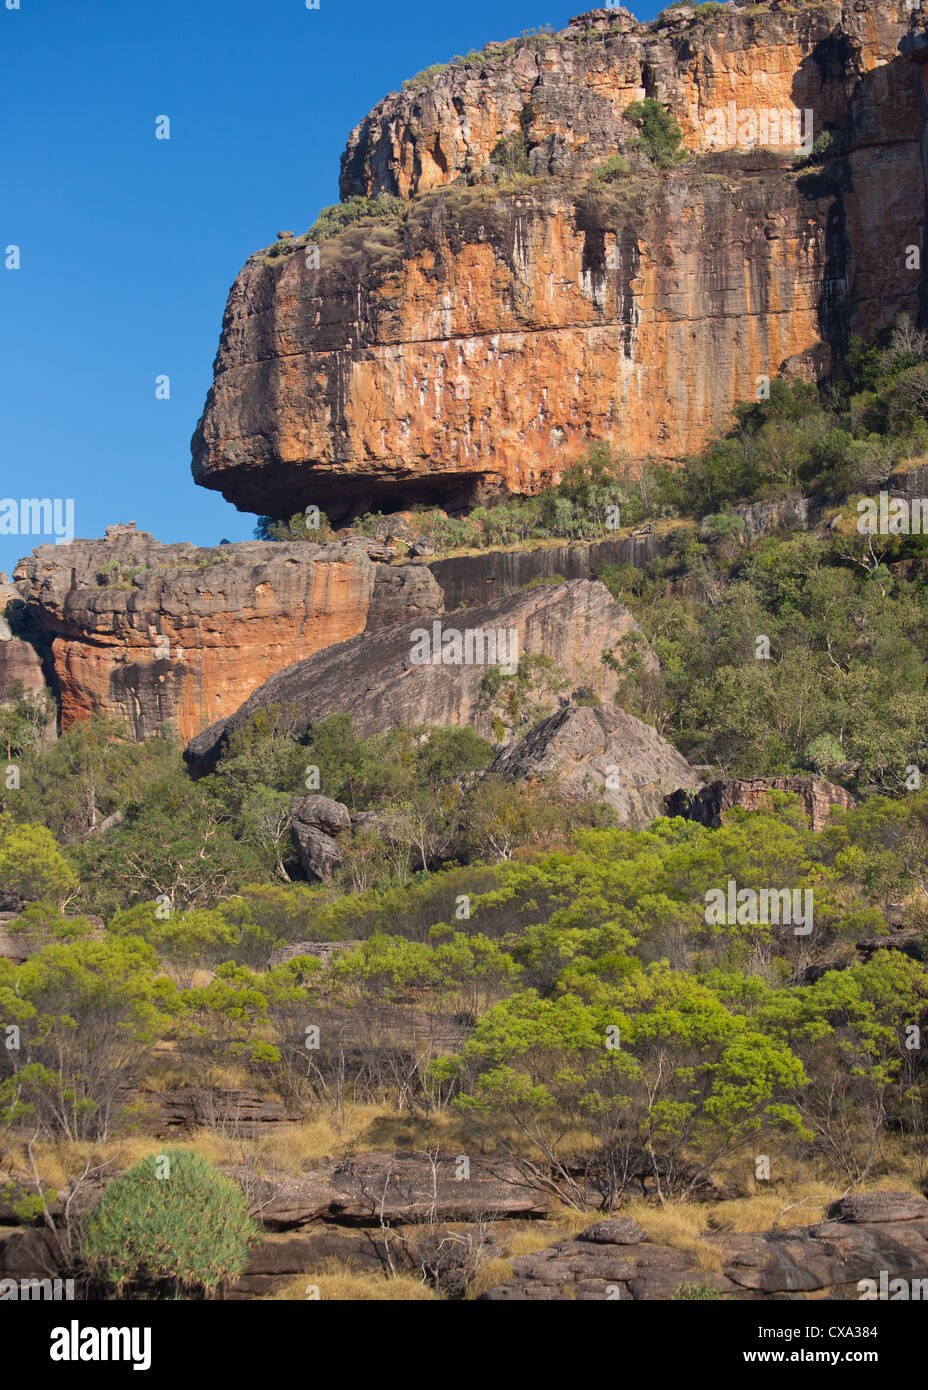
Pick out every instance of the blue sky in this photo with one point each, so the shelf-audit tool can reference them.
(129, 244)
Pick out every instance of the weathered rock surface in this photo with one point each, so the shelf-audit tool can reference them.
(479, 578)
(315, 821)
(483, 337)
(603, 752)
(158, 634)
(322, 950)
(911, 943)
(567, 92)
(867, 1208)
(319, 854)
(99, 642)
(709, 805)
(401, 1187)
(20, 646)
(621, 1230)
(280, 1256)
(777, 514)
(19, 662)
(776, 1263)
(375, 680)
(169, 1113)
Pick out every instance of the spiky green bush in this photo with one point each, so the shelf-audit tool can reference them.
(184, 1233)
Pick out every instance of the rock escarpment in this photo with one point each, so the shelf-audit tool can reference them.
(22, 645)
(158, 634)
(709, 805)
(380, 683)
(481, 339)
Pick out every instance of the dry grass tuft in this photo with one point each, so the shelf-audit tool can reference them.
(339, 1284)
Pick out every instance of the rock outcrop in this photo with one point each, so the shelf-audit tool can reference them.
(18, 945)
(708, 806)
(21, 645)
(400, 1187)
(835, 1254)
(178, 635)
(420, 673)
(315, 821)
(480, 338)
(602, 752)
(322, 950)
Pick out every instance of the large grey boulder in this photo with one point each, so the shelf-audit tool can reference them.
(603, 752)
(314, 823)
(431, 670)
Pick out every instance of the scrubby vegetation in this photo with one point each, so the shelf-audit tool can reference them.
(492, 55)
(582, 1003)
(507, 972)
(614, 168)
(661, 139)
(338, 216)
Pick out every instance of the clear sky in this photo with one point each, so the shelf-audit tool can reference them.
(129, 244)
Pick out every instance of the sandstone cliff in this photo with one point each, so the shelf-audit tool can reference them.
(480, 339)
(172, 634)
(376, 680)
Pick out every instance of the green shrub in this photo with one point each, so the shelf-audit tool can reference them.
(185, 1232)
(540, 579)
(824, 752)
(828, 144)
(337, 216)
(613, 169)
(661, 138)
(511, 153)
(423, 78)
(31, 864)
(297, 528)
(280, 248)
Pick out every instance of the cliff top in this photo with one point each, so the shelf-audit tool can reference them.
(555, 101)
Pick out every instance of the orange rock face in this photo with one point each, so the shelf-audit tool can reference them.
(484, 338)
(568, 92)
(172, 635)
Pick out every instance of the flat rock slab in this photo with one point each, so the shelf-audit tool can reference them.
(868, 1207)
(172, 1112)
(620, 1231)
(585, 1270)
(786, 1263)
(399, 1188)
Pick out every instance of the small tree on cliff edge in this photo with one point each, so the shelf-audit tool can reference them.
(661, 138)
